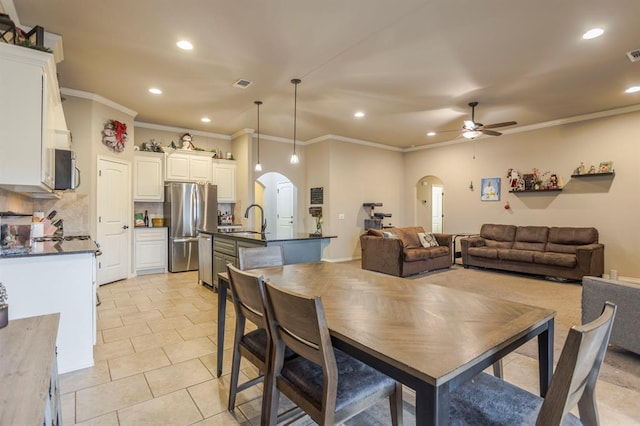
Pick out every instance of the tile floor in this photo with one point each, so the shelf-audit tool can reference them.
(155, 362)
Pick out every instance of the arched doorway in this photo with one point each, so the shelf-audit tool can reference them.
(278, 196)
(430, 204)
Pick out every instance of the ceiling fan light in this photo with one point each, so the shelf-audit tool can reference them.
(472, 134)
(469, 124)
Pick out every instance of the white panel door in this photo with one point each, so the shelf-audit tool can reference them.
(436, 208)
(285, 209)
(114, 215)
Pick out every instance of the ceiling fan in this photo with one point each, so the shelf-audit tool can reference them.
(472, 129)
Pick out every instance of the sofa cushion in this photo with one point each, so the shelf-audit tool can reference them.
(427, 240)
(555, 259)
(498, 232)
(573, 236)
(516, 255)
(531, 238)
(409, 236)
(487, 252)
(498, 236)
(375, 232)
(413, 254)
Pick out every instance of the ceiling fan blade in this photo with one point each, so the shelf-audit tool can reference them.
(486, 131)
(504, 124)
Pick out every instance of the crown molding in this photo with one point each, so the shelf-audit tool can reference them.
(354, 141)
(181, 130)
(97, 98)
(537, 126)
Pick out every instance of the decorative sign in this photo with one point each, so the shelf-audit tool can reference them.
(315, 211)
(317, 195)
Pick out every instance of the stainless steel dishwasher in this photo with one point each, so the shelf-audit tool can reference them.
(205, 258)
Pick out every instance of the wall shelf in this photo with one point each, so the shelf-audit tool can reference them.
(593, 174)
(537, 190)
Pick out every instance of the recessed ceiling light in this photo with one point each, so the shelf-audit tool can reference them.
(633, 89)
(359, 114)
(184, 44)
(431, 133)
(205, 120)
(593, 33)
(155, 91)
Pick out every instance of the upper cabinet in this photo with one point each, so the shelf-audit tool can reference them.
(31, 119)
(188, 166)
(148, 176)
(224, 176)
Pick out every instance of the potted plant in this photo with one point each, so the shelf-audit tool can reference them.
(4, 306)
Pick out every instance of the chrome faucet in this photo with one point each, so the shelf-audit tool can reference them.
(263, 228)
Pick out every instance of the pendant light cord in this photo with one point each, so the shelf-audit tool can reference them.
(295, 82)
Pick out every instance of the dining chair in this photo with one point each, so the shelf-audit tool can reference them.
(488, 400)
(260, 257)
(326, 383)
(247, 291)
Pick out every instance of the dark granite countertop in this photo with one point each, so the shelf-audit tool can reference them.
(56, 248)
(269, 236)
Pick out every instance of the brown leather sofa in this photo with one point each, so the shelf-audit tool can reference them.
(551, 251)
(403, 255)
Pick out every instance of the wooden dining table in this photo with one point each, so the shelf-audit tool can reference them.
(429, 337)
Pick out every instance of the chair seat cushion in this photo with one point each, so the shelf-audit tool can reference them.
(356, 380)
(488, 400)
(256, 342)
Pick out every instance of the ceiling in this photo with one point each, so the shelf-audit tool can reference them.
(411, 65)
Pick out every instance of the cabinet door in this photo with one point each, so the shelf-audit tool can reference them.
(148, 183)
(224, 176)
(177, 167)
(200, 169)
(22, 111)
(151, 249)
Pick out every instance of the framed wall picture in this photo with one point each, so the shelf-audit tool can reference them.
(490, 189)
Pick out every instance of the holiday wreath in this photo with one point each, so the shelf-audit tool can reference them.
(114, 135)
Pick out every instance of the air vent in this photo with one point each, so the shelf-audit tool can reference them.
(634, 55)
(242, 84)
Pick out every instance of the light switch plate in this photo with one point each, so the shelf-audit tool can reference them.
(341, 216)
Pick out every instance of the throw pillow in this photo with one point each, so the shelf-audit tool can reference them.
(427, 240)
(386, 234)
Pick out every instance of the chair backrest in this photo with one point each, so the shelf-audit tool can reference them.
(248, 295)
(299, 322)
(260, 257)
(575, 377)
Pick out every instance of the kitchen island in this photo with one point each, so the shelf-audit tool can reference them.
(57, 277)
(297, 247)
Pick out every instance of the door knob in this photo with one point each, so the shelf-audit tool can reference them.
(125, 227)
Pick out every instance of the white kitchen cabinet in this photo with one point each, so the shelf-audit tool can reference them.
(187, 166)
(31, 117)
(150, 250)
(224, 176)
(148, 176)
(64, 283)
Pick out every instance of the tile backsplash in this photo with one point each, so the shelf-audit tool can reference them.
(12, 201)
(72, 208)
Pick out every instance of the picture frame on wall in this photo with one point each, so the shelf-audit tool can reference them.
(529, 181)
(490, 189)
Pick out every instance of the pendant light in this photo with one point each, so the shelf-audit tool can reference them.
(294, 156)
(258, 167)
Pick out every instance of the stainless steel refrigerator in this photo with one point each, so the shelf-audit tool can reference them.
(188, 208)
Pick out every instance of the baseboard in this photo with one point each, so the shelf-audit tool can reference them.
(341, 259)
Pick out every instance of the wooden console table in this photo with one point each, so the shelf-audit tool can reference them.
(28, 372)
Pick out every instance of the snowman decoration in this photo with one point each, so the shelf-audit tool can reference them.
(186, 141)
